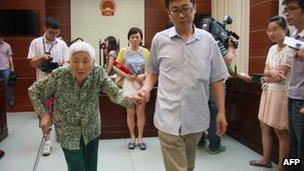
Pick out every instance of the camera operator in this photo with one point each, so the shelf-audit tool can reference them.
(227, 42)
(228, 58)
(228, 54)
(215, 146)
(47, 53)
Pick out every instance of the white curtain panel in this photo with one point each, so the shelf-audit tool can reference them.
(239, 10)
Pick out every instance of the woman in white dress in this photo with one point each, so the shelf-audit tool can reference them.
(273, 104)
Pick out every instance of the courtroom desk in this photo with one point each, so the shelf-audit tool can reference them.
(3, 122)
(114, 118)
(242, 105)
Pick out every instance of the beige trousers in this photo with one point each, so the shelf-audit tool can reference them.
(179, 151)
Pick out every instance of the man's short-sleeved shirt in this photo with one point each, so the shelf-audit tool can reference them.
(58, 51)
(185, 71)
(5, 54)
(296, 86)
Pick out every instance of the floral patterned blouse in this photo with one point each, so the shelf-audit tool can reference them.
(275, 58)
(76, 111)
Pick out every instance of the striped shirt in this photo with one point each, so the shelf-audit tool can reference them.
(5, 54)
(185, 71)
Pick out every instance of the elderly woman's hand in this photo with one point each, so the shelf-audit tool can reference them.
(45, 123)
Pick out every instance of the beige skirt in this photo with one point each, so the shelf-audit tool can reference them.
(273, 108)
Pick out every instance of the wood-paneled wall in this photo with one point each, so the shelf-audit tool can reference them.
(114, 118)
(156, 16)
(260, 12)
(243, 124)
(62, 10)
(20, 46)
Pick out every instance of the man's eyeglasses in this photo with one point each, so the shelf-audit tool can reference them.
(53, 32)
(185, 11)
(289, 9)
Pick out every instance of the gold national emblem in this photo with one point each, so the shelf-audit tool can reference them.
(107, 7)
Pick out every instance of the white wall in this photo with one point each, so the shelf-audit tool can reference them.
(88, 23)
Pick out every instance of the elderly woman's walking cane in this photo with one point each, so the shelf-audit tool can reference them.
(49, 103)
(39, 152)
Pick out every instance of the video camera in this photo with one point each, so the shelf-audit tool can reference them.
(219, 31)
(48, 66)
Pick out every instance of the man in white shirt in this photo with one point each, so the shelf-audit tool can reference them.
(45, 48)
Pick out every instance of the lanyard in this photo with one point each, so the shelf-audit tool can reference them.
(44, 48)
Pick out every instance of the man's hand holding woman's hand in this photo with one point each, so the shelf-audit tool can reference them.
(141, 96)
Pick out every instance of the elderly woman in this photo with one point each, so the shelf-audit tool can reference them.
(76, 89)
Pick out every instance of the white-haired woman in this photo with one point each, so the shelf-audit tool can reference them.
(76, 118)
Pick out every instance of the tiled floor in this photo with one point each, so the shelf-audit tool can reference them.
(24, 138)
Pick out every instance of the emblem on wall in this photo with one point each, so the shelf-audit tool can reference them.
(107, 7)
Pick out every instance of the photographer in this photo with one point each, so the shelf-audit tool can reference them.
(46, 47)
(47, 53)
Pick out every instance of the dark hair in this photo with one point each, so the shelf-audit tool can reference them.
(135, 30)
(52, 22)
(281, 21)
(112, 43)
(1, 35)
(167, 2)
(300, 2)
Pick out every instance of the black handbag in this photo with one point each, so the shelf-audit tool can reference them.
(12, 79)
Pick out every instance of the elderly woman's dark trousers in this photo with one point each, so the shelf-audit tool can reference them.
(84, 159)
